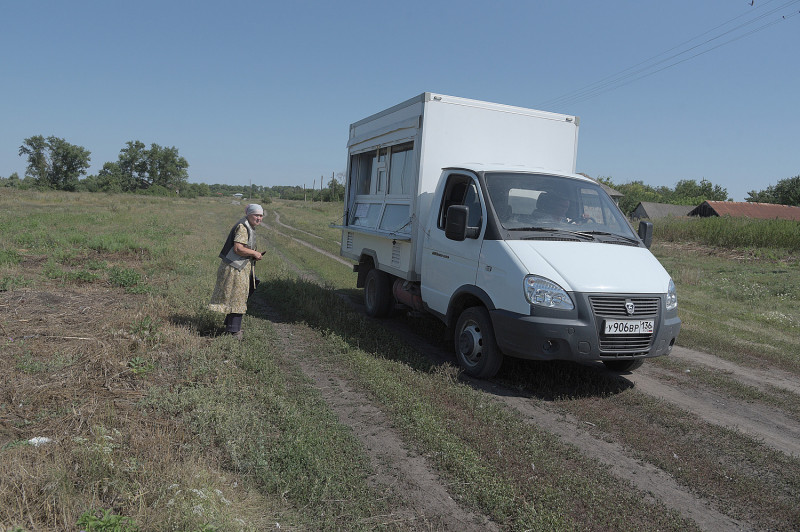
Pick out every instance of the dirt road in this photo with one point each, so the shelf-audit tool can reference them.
(409, 476)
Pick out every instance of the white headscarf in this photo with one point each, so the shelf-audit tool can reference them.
(254, 208)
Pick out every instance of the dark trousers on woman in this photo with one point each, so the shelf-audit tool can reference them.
(233, 323)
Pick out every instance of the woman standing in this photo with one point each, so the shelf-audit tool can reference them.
(236, 277)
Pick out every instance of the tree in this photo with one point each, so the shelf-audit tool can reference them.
(689, 192)
(335, 188)
(11, 181)
(785, 192)
(635, 192)
(166, 168)
(55, 163)
(132, 167)
(112, 179)
(139, 168)
(763, 196)
(686, 192)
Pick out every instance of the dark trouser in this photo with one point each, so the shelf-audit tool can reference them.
(233, 323)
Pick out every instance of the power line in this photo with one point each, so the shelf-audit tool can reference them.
(632, 73)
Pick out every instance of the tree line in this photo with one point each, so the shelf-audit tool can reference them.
(57, 164)
(690, 192)
(54, 163)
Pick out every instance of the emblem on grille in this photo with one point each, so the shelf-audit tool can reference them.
(630, 308)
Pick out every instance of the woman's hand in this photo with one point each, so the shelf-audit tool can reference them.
(243, 251)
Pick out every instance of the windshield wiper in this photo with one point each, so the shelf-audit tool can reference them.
(615, 235)
(581, 236)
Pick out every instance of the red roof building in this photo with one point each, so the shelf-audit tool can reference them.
(740, 209)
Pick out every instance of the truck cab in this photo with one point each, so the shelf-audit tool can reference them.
(548, 267)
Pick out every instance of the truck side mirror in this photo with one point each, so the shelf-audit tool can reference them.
(456, 226)
(646, 233)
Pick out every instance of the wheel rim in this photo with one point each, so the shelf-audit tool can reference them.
(470, 343)
(369, 294)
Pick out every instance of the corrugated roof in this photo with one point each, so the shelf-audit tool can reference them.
(653, 211)
(766, 211)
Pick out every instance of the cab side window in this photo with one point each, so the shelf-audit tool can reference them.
(461, 190)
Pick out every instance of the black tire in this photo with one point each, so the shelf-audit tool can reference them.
(623, 365)
(476, 347)
(378, 296)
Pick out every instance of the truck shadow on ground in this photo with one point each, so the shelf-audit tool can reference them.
(343, 313)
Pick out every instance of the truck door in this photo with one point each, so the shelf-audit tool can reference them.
(449, 264)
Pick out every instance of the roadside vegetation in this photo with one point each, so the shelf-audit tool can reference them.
(738, 287)
(155, 421)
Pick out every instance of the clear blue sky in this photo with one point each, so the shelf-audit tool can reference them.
(265, 91)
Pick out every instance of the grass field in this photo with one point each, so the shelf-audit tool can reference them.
(156, 421)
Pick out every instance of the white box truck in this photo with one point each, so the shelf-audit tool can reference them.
(471, 211)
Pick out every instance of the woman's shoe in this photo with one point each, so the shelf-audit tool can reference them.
(238, 334)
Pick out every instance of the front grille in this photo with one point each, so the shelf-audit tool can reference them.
(633, 342)
(614, 307)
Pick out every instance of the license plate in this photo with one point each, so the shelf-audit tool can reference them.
(629, 327)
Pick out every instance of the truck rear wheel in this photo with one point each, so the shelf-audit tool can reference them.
(378, 293)
(476, 348)
(623, 365)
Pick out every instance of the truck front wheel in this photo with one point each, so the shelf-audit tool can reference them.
(378, 296)
(476, 348)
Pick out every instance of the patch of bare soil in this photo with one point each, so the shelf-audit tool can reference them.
(53, 341)
(399, 472)
(658, 484)
(765, 424)
(761, 379)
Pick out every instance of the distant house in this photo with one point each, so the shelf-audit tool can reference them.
(741, 209)
(653, 211)
(238, 195)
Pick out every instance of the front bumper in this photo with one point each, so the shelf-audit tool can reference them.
(578, 334)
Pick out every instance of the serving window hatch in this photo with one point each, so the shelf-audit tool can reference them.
(383, 180)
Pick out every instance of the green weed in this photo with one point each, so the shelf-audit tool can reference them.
(124, 277)
(147, 329)
(10, 257)
(106, 521)
(13, 282)
(140, 366)
(26, 363)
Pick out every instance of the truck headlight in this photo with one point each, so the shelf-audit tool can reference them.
(672, 296)
(545, 293)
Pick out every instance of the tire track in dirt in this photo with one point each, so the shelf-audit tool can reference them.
(763, 423)
(399, 472)
(309, 245)
(651, 480)
(758, 378)
(656, 483)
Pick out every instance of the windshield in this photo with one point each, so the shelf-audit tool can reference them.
(543, 203)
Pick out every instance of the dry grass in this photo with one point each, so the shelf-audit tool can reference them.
(76, 371)
(86, 334)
